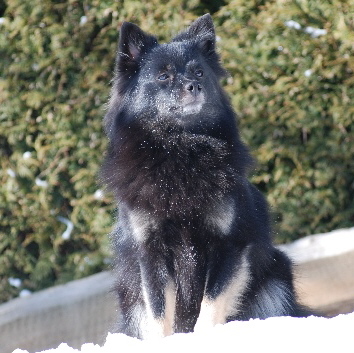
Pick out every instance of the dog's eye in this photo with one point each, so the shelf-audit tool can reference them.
(198, 73)
(163, 77)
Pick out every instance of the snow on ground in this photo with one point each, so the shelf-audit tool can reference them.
(279, 334)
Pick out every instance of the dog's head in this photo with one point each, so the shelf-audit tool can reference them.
(179, 79)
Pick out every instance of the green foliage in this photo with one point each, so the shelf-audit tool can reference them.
(293, 90)
(56, 63)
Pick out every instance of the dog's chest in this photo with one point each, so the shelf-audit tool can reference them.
(177, 176)
(217, 218)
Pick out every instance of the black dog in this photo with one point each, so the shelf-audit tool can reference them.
(193, 238)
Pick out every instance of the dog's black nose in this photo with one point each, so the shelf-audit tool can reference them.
(193, 87)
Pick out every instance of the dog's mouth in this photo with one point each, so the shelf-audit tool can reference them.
(189, 108)
(192, 108)
(174, 109)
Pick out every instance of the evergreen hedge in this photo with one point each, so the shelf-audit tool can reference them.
(292, 83)
(292, 87)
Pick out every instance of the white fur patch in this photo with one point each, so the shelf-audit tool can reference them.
(222, 215)
(138, 320)
(140, 222)
(215, 311)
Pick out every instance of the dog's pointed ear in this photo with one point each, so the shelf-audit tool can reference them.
(134, 43)
(202, 31)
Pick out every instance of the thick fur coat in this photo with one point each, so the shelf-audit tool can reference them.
(193, 239)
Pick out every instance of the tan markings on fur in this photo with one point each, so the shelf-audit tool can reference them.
(222, 215)
(152, 327)
(170, 305)
(140, 223)
(213, 312)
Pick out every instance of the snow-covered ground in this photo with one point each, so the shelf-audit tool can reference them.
(279, 334)
(282, 334)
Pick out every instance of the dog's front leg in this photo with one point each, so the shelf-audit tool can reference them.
(190, 271)
(222, 299)
(159, 297)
